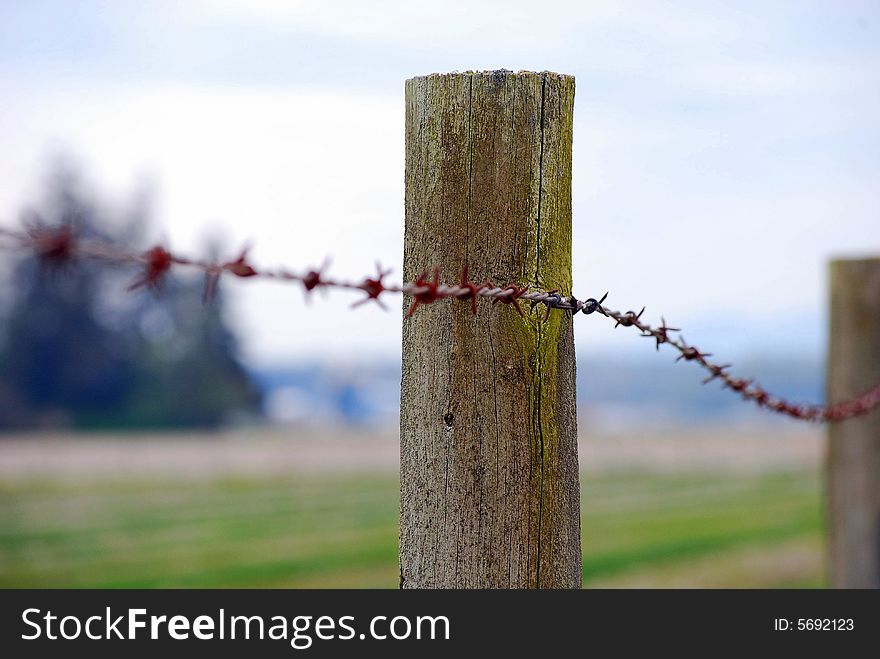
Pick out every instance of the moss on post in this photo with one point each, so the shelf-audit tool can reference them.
(489, 471)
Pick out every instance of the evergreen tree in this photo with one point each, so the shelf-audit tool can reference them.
(76, 352)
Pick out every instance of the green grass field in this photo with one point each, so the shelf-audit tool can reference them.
(693, 529)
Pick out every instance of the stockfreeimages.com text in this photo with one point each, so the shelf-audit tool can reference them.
(301, 631)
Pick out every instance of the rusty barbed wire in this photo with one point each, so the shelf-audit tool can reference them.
(60, 245)
(748, 389)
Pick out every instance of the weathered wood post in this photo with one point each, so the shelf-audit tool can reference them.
(854, 445)
(489, 493)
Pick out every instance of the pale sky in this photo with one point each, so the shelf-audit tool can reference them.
(730, 149)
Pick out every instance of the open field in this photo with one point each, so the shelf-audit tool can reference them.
(261, 510)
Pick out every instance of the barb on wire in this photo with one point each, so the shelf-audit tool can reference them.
(60, 245)
(374, 287)
(159, 262)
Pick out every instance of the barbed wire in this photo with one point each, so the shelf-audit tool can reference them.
(60, 245)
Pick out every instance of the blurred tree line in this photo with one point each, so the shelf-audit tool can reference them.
(78, 350)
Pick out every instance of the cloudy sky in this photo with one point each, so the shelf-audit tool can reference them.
(729, 149)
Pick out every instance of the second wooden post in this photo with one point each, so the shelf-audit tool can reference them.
(854, 446)
(488, 460)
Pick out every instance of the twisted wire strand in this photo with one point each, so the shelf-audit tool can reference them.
(60, 244)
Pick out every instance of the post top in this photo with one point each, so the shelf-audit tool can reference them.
(855, 261)
(497, 73)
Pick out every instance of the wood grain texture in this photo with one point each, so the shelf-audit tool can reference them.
(854, 445)
(489, 472)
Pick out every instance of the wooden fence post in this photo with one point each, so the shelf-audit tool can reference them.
(854, 445)
(489, 493)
